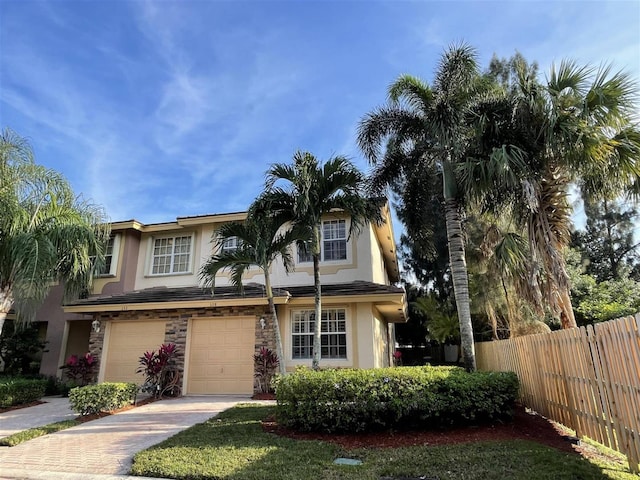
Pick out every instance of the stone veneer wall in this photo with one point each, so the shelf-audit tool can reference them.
(177, 322)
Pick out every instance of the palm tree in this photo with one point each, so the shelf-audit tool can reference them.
(47, 234)
(310, 192)
(260, 241)
(534, 141)
(424, 127)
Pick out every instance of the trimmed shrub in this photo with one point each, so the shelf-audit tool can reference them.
(348, 400)
(16, 391)
(103, 397)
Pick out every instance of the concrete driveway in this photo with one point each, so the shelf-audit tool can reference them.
(107, 445)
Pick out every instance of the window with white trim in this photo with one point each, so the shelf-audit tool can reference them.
(171, 255)
(334, 240)
(333, 246)
(333, 338)
(109, 269)
(230, 245)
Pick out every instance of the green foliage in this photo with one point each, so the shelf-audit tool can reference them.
(20, 437)
(606, 245)
(48, 233)
(234, 446)
(600, 301)
(16, 391)
(442, 323)
(21, 349)
(103, 397)
(406, 397)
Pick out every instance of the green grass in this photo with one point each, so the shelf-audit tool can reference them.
(232, 446)
(18, 438)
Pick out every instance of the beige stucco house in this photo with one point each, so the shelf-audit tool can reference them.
(150, 294)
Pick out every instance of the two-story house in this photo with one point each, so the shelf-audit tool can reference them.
(150, 294)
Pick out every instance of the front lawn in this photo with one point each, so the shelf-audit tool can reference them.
(23, 436)
(234, 446)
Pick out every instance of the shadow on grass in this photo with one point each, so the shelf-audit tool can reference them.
(233, 446)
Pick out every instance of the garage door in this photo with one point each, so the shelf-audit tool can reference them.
(127, 343)
(221, 355)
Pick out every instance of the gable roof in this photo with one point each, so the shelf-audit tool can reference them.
(390, 300)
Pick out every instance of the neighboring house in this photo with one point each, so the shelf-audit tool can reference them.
(150, 294)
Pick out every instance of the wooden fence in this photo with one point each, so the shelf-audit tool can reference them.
(588, 379)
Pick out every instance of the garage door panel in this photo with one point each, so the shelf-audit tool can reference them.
(221, 356)
(127, 343)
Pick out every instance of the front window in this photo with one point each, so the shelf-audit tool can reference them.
(304, 254)
(230, 245)
(171, 255)
(333, 334)
(334, 243)
(334, 240)
(110, 257)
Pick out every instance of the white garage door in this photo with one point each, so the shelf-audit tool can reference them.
(221, 355)
(127, 343)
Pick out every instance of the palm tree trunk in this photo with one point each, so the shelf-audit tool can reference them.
(317, 333)
(6, 302)
(276, 324)
(460, 281)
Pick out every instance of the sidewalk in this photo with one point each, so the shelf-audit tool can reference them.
(55, 409)
(107, 445)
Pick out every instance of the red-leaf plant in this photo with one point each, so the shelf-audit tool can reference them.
(158, 369)
(81, 370)
(265, 362)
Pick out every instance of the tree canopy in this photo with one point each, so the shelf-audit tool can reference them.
(47, 233)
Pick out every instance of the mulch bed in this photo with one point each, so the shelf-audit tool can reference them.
(525, 425)
(22, 405)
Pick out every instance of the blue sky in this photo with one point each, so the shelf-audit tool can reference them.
(158, 109)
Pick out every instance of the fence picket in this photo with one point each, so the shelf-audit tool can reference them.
(587, 379)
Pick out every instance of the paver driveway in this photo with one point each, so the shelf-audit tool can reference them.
(107, 445)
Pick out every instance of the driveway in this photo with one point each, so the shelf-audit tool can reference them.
(107, 445)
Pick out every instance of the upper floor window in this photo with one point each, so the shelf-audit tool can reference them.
(110, 257)
(171, 255)
(334, 243)
(304, 255)
(230, 245)
(334, 240)
(333, 338)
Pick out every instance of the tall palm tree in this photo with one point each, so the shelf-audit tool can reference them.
(47, 234)
(424, 127)
(311, 191)
(260, 241)
(535, 140)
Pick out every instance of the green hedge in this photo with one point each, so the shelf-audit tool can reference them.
(349, 400)
(102, 397)
(16, 391)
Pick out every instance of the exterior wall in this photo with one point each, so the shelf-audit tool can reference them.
(61, 327)
(51, 313)
(78, 335)
(364, 262)
(380, 345)
(124, 279)
(176, 329)
(379, 272)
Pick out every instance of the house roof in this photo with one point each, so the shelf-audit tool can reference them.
(389, 300)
